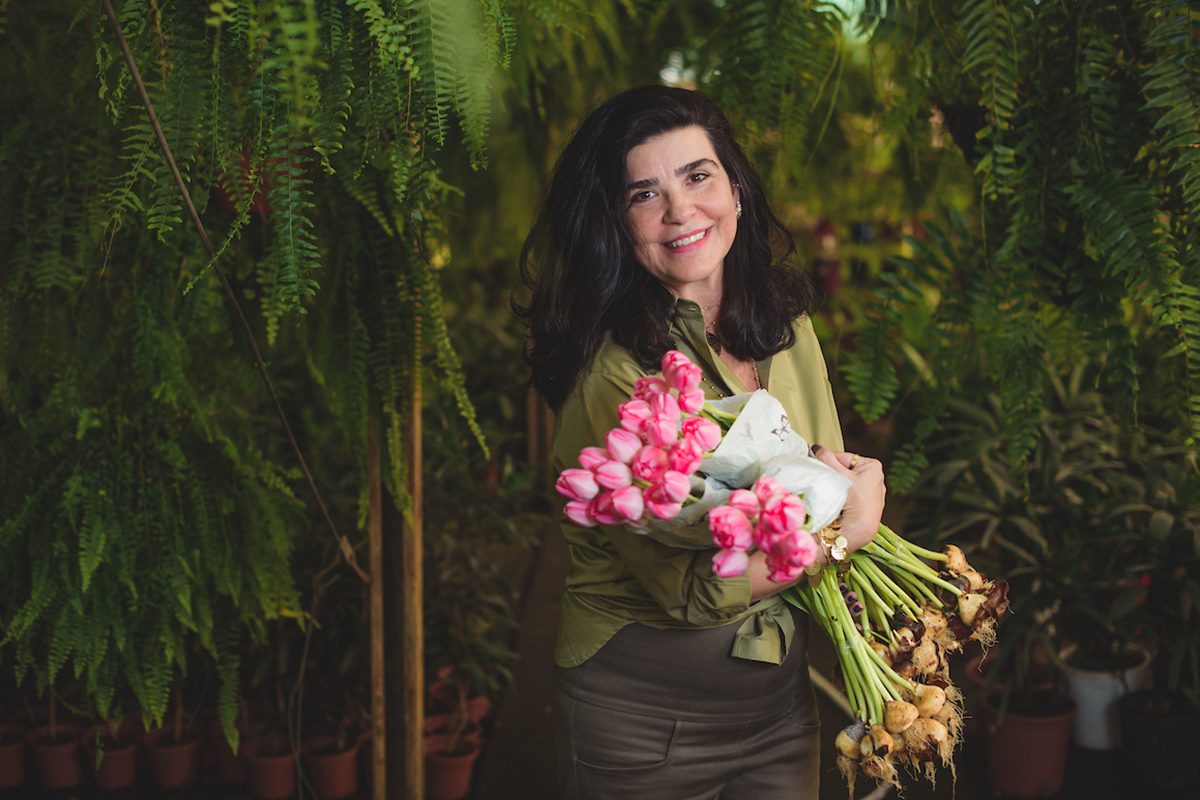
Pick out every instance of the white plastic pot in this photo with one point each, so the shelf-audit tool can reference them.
(1096, 694)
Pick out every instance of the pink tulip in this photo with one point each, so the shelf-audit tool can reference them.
(650, 463)
(783, 513)
(703, 431)
(592, 457)
(577, 484)
(602, 510)
(613, 475)
(767, 487)
(783, 573)
(629, 503)
(622, 445)
(730, 528)
(661, 431)
(577, 511)
(673, 360)
(730, 563)
(673, 487)
(691, 402)
(647, 387)
(745, 502)
(632, 414)
(662, 510)
(664, 406)
(685, 457)
(802, 548)
(684, 378)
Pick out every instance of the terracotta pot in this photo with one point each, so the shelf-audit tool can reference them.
(12, 755)
(59, 760)
(118, 762)
(271, 775)
(174, 764)
(447, 723)
(333, 772)
(1161, 729)
(448, 770)
(231, 770)
(1096, 694)
(1027, 752)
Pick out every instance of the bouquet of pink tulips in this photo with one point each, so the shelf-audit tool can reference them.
(892, 609)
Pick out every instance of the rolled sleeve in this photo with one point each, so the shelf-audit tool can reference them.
(681, 582)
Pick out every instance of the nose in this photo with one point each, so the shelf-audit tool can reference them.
(679, 208)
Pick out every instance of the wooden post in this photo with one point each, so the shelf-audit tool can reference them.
(375, 549)
(414, 613)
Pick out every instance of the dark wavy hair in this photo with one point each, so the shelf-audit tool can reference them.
(579, 262)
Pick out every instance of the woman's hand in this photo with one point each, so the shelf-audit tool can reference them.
(864, 502)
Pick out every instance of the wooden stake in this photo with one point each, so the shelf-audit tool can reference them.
(375, 549)
(414, 613)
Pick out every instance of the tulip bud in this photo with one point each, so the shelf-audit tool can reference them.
(576, 484)
(649, 386)
(632, 414)
(691, 402)
(649, 464)
(704, 432)
(578, 512)
(629, 503)
(730, 563)
(745, 502)
(592, 457)
(613, 475)
(622, 445)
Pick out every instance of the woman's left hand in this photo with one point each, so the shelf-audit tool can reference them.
(864, 501)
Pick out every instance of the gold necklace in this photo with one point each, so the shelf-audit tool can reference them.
(720, 394)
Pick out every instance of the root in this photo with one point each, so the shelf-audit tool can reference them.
(849, 769)
(881, 769)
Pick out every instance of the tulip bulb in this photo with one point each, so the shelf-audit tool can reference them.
(898, 715)
(877, 742)
(974, 580)
(925, 658)
(929, 700)
(968, 607)
(934, 621)
(846, 745)
(955, 560)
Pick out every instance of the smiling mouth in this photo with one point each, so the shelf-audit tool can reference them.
(691, 238)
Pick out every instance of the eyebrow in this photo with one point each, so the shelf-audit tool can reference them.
(685, 169)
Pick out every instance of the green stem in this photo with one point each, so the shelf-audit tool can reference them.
(917, 550)
(883, 582)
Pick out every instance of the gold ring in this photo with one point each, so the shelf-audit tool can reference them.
(853, 460)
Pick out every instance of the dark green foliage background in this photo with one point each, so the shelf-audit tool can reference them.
(367, 170)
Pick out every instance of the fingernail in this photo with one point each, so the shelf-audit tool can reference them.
(816, 448)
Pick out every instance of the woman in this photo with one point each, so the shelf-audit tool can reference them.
(655, 234)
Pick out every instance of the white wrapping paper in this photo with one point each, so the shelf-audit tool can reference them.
(760, 442)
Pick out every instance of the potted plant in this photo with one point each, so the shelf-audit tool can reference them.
(12, 754)
(56, 748)
(331, 762)
(112, 750)
(174, 750)
(1160, 725)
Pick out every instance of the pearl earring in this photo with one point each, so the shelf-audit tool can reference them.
(738, 208)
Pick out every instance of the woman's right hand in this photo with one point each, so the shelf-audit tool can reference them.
(864, 502)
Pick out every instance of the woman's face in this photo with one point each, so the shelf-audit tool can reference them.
(681, 209)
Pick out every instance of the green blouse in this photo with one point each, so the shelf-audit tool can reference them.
(618, 576)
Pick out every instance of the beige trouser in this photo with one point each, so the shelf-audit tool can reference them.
(668, 715)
